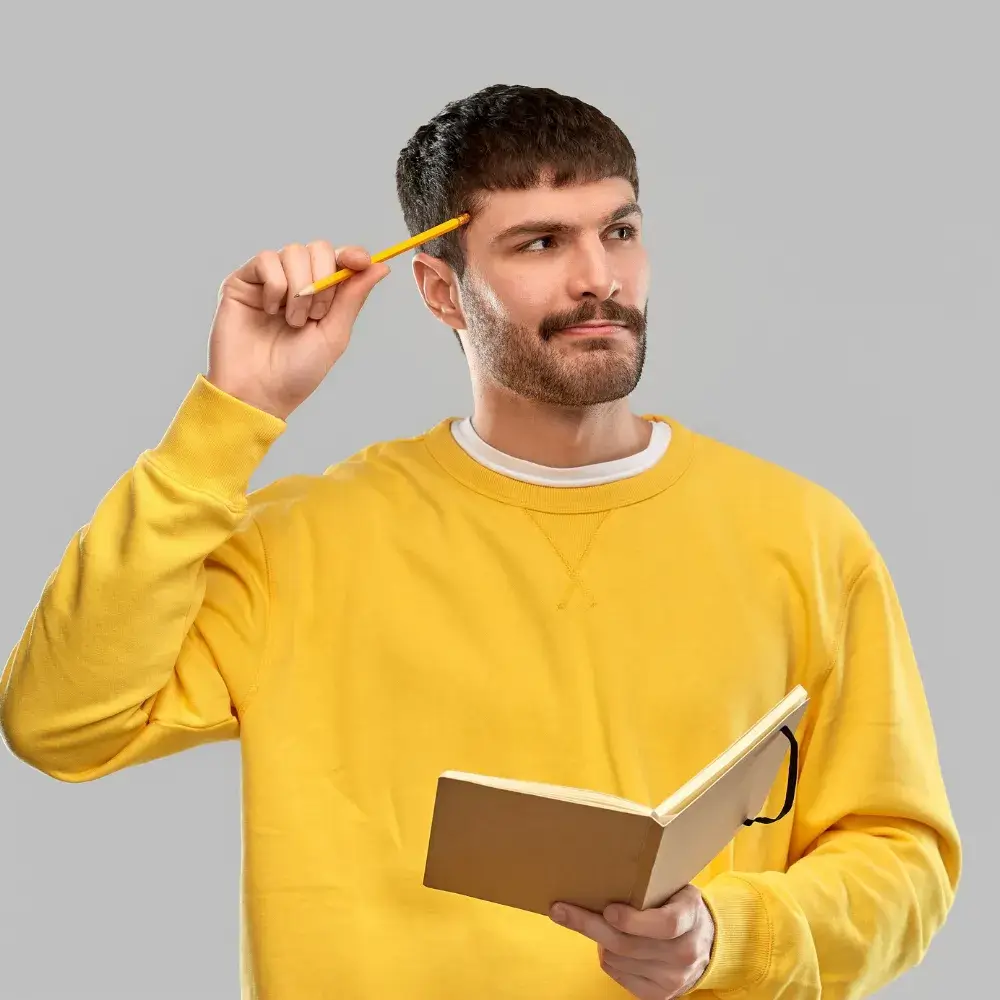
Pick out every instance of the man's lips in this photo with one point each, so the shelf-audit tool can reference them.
(599, 328)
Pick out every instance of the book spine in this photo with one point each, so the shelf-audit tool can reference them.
(645, 864)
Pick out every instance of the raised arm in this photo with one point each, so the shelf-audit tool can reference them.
(149, 636)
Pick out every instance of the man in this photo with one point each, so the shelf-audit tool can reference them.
(555, 589)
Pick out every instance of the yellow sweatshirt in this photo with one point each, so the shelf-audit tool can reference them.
(411, 611)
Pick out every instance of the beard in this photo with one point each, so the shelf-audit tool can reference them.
(536, 365)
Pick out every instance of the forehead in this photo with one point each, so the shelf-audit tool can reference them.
(577, 205)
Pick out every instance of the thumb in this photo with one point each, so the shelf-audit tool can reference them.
(352, 295)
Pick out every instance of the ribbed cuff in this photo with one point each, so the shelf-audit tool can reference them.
(741, 954)
(216, 442)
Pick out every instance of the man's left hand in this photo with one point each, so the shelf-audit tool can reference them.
(655, 954)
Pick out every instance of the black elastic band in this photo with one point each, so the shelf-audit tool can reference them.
(793, 771)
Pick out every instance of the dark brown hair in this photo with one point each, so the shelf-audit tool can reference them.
(503, 137)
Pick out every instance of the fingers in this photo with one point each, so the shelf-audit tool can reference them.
(353, 293)
(274, 277)
(324, 262)
(658, 952)
(297, 263)
(672, 920)
(682, 953)
(267, 273)
(643, 979)
(356, 258)
(595, 927)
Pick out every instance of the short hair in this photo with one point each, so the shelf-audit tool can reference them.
(503, 137)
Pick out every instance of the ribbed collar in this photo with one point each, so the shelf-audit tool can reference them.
(563, 499)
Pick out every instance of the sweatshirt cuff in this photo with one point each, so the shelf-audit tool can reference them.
(741, 953)
(216, 442)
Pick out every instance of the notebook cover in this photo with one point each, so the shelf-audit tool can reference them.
(529, 852)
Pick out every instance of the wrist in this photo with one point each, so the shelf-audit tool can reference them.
(255, 399)
(216, 442)
(742, 942)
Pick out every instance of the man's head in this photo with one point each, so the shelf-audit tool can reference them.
(554, 241)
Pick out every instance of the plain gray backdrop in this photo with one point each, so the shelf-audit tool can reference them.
(820, 187)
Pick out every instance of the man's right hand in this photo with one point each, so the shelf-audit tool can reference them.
(271, 349)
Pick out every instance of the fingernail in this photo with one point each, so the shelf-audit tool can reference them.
(559, 914)
(613, 913)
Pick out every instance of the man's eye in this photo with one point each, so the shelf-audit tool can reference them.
(628, 233)
(527, 247)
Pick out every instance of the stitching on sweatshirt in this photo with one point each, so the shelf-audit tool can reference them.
(770, 937)
(239, 508)
(265, 650)
(584, 509)
(572, 572)
(842, 614)
(180, 727)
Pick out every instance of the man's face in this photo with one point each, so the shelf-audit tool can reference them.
(540, 263)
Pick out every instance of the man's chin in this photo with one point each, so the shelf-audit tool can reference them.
(595, 387)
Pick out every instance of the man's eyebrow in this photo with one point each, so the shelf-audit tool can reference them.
(623, 212)
(532, 226)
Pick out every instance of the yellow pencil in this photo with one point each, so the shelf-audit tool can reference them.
(345, 272)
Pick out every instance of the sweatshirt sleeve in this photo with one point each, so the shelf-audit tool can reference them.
(875, 858)
(148, 637)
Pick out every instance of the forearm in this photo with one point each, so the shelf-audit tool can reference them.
(116, 638)
(849, 917)
(875, 856)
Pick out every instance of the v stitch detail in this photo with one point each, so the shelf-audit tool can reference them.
(573, 572)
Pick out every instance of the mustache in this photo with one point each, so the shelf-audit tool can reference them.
(613, 312)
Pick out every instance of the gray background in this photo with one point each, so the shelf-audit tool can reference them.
(820, 191)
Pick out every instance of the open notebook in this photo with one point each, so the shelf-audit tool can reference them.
(527, 845)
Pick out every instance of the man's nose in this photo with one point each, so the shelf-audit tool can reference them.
(592, 275)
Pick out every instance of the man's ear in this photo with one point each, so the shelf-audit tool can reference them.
(438, 287)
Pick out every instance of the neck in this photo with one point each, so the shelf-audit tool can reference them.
(560, 437)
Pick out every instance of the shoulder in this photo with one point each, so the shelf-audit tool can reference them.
(384, 473)
(777, 505)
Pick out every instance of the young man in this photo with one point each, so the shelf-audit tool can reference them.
(556, 589)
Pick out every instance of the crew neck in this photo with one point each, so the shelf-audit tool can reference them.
(595, 474)
(458, 463)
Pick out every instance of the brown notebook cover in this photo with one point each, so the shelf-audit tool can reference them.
(529, 845)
